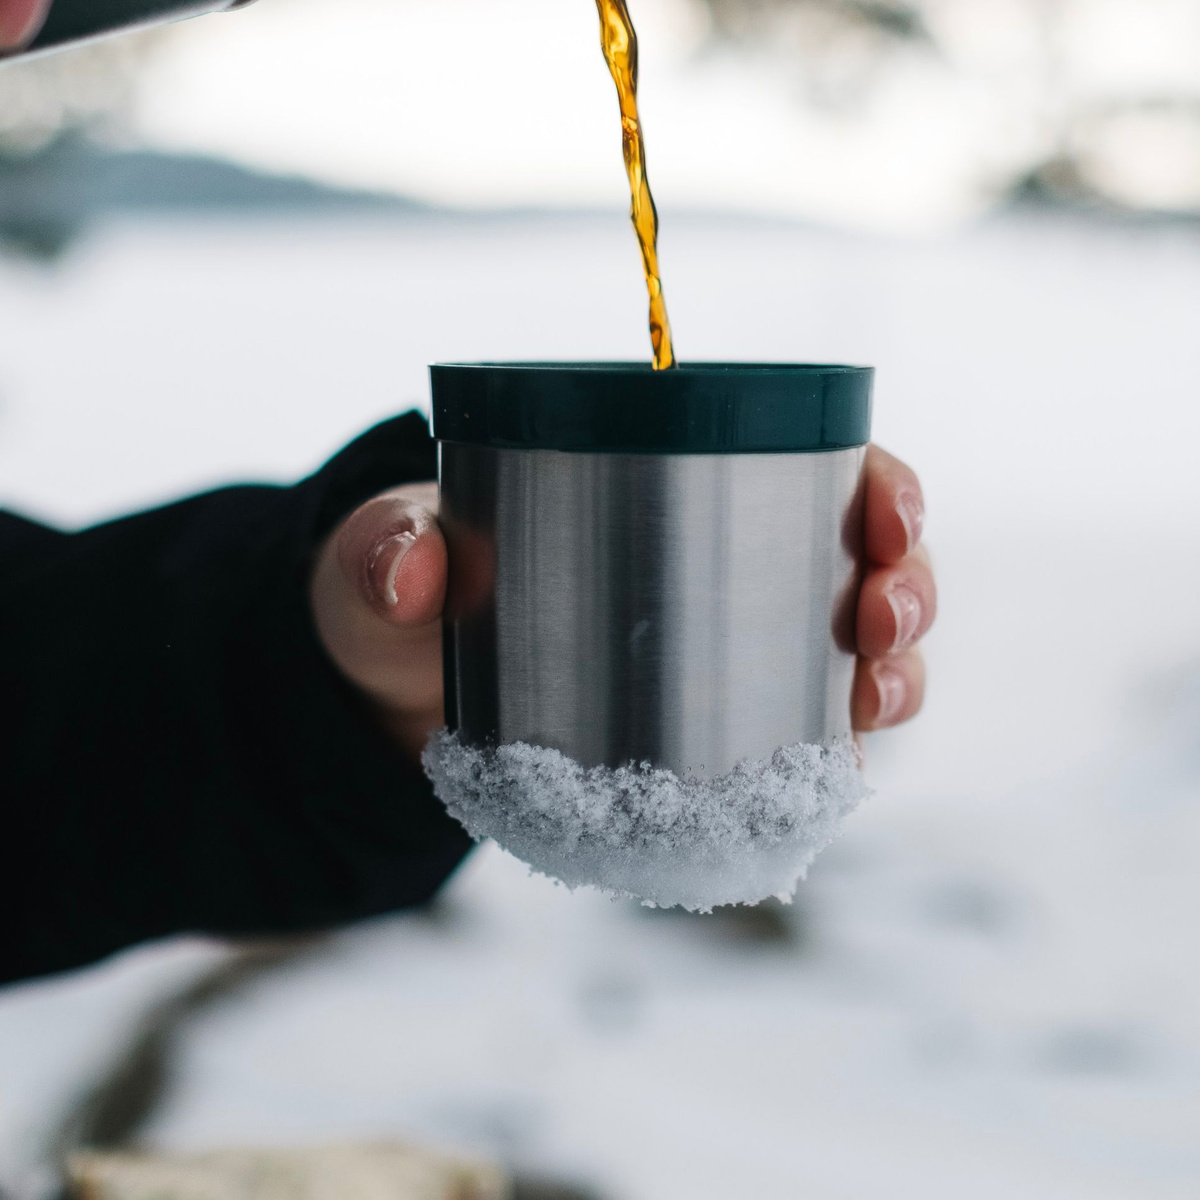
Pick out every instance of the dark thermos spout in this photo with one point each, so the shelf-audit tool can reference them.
(72, 22)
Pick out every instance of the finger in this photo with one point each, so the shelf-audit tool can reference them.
(20, 21)
(895, 508)
(896, 606)
(887, 691)
(376, 594)
(392, 552)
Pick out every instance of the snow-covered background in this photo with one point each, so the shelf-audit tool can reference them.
(990, 987)
(885, 114)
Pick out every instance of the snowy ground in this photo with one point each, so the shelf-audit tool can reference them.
(988, 988)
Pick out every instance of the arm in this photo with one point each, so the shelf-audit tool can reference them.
(179, 752)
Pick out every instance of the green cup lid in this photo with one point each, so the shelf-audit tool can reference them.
(615, 407)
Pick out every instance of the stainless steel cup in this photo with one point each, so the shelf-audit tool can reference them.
(651, 567)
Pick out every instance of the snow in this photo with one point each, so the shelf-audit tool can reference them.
(986, 988)
(907, 135)
(641, 831)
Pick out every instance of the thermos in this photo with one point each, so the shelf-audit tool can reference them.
(651, 567)
(72, 22)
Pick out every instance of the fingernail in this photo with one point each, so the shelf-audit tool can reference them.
(906, 608)
(383, 562)
(911, 510)
(891, 686)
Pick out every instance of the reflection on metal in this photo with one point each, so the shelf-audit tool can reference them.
(685, 610)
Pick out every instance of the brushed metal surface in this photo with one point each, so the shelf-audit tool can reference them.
(686, 610)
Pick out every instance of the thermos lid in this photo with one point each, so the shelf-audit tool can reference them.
(694, 408)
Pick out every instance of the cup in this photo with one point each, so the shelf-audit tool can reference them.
(651, 567)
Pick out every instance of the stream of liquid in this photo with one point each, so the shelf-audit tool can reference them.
(619, 43)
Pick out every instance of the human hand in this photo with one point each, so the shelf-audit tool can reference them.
(20, 21)
(380, 583)
(897, 599)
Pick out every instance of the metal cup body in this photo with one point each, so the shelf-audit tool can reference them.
(685, 610)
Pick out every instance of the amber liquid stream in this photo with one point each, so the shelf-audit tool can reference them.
(619, 42)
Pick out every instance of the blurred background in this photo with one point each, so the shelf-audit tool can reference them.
(230, 246)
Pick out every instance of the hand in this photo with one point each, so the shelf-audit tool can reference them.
(380, 583)
(20, 21)
(897, 600)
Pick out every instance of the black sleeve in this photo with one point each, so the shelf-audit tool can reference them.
(176, 751)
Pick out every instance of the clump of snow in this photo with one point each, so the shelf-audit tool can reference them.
(642, 831)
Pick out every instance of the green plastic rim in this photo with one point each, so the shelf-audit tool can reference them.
(615, 407)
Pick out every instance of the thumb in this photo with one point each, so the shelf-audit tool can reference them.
(377, 593)
(392, 554)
